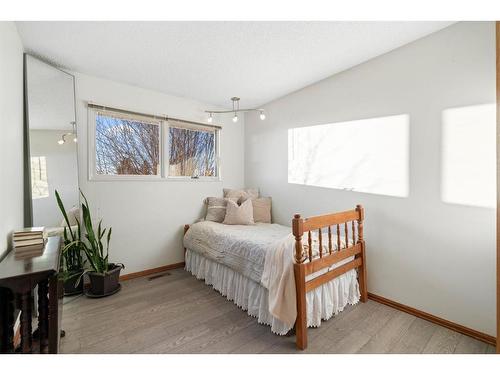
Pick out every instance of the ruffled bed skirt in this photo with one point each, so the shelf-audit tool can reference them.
(322, 303)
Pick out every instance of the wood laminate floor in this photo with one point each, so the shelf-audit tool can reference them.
(176, 313)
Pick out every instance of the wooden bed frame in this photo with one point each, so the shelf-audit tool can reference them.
(309, 262)
(306, 264)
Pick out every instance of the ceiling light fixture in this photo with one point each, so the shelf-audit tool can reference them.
(73, 133)
(236, 109)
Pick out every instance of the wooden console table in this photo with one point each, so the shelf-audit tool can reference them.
(18, 278)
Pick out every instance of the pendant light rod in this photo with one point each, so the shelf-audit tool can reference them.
(236, 108)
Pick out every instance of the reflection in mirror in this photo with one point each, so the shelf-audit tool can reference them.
(52, 143)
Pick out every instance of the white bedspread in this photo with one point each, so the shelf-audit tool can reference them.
(242, 248)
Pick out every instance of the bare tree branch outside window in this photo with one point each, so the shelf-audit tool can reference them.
(192, 152)
(127, 147)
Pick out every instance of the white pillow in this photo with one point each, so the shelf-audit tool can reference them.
(262, 210)
(241, 194)
(216, 208)
(239, 215)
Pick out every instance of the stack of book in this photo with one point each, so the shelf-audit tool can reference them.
(29, 242)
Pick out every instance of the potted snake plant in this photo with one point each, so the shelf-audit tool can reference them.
(72, 262)
(103, 275)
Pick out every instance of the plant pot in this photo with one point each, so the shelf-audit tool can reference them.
(70, 288)
(102, 284)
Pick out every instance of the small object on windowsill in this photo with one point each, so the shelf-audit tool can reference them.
(195, 177)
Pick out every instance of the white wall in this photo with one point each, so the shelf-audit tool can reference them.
(422, 252)
(148, 216)
(11, 133)
(62, 174)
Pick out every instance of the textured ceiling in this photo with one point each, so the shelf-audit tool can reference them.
(212, 61)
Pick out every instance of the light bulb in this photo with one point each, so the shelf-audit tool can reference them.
(75, 139)
(60, 142)
(209, 119)
(262, 115)
(235, 118)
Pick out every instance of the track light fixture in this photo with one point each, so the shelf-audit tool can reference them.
(236, 109)
(72, 133)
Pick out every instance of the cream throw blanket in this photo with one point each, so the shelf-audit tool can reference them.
(278, 278)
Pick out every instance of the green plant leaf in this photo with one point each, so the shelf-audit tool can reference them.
(63, 210)
(93, 247)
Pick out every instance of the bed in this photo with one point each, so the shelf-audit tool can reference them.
(286, 278)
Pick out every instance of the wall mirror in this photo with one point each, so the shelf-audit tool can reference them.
(51, 140)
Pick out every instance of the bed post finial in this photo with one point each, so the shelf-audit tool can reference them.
(361, 211)
(298, 231)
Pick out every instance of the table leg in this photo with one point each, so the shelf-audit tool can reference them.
(6, 321)
(43, 315)
(26, 329)
(55, 313)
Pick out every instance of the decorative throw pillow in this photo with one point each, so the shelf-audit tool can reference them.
(262, 210)
(241, 194)
(216, 208)
(239, 215)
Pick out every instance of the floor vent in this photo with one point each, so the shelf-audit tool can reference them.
(157, 276)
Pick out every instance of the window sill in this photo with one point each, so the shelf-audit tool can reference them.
(152, 179)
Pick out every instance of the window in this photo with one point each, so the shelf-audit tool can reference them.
(130, 146)
(370, 155)
(39, 182)
(191, 152)
(125, 146)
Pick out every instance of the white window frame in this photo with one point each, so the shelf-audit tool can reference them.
(164, 154)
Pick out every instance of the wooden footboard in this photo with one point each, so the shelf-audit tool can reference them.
(339, 236)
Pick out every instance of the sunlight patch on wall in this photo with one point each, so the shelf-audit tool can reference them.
(469, 156)
(370, 155)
